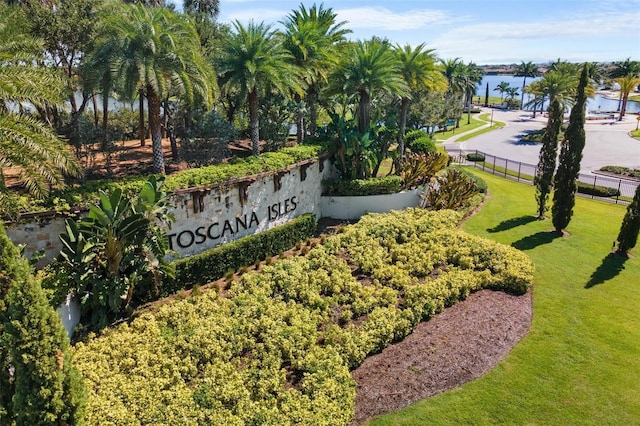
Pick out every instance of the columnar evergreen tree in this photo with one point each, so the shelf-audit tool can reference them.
(38, 383)
(543, 179)
(570, 156)
(628, 235)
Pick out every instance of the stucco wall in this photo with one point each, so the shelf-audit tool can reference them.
(208, 217)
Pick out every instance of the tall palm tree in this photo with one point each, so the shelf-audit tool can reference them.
(502, 88)
(156, 53)
(526, 69)
(421, 72)
(471, 77)
(627, 84)
(368, 69)
(254, 61)
(26, 143)
(312, 37)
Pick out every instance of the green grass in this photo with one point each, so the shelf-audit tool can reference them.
(485, 117)
(464, 127)
(635, 134)
(580, 362)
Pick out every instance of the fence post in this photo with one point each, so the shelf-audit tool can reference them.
(494, 165)
(519, 169)
(483, 162)
(595, 178)
(618, 194)
(506, 166)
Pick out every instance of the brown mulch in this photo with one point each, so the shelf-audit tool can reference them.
(457, 346)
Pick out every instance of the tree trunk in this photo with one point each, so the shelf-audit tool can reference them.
(141, 116)
(364, 112)
(95, 109)
(623, 109)
(165, 118)
(299, 121)
(170, 128)
(524, 84)
(105, 114)
(404, 111)
(312, 99)
(153, 103)
(254, 121)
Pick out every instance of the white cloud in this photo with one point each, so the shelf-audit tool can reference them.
(384, 19)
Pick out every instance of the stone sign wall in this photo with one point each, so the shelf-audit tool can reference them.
(208, 217)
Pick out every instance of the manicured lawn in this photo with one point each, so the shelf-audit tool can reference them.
(485, 117)
(580, 363)
(464, 127)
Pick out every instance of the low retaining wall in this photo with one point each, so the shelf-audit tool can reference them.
(207, 217)
(351, 208)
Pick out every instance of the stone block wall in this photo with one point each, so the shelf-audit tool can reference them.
(208, 217)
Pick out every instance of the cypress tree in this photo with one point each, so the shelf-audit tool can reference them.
(38, 383)
(628, 235)
(543, 179)
(565, 181)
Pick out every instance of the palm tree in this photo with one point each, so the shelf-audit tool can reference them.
(155, 53)
(420, 72)
(526, 69)
(254, 61)
(471, 77)
(627, 84)
(502, 88)
(26, 143)
(512, 92)
(368, 69)
(312, 36)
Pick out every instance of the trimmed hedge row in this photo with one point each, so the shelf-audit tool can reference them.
(597, 191)
(372, 186)
(79, 196)
(212, 264)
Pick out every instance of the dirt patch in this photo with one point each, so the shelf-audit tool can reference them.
(459, 345)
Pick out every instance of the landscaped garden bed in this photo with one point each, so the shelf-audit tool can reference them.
(280, 348)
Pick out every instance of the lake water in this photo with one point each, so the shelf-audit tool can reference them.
(598, 103)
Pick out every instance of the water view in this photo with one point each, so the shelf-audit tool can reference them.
(597, 104)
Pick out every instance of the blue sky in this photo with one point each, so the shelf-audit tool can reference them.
(482, 31)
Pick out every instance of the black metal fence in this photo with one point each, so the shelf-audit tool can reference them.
(591, 185)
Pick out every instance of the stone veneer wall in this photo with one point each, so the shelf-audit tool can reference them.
(207, 217)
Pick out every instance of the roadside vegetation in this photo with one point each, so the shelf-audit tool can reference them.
(78, 77)
(580, 351)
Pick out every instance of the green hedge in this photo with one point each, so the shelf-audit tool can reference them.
(597, 191)
(79, 196)
(624, 171)
(279, 348)
(423, 144)
(212, 264)
(475, 156)
(373, 186)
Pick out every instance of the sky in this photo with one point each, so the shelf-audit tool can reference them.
(486, 32)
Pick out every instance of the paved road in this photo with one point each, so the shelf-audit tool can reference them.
(608, 142)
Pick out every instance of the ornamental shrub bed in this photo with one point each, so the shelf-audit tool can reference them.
(80, 196)
(372, 186)
(597, 190)
(279, 348)
(212, 264)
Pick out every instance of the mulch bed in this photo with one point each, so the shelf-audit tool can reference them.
(459, 345)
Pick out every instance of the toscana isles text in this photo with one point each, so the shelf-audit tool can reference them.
(218, 230)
